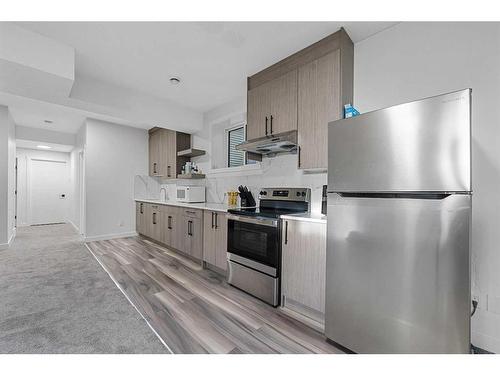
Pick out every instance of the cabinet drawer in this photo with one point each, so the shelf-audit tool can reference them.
(192, 213)
(171, 210)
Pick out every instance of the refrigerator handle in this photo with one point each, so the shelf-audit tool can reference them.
(435, 196)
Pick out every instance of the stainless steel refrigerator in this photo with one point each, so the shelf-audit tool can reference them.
(399, 215)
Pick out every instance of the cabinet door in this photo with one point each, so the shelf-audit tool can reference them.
(220, 243)
(258, 111)
(140, 217)
(175, 228)
(147, 224)
(318, 104)
(156, 223)
(168, 153)
(209, 237)
(283, 103)
(154, 153)
(304, 267)
(180, 240)
(196, 238)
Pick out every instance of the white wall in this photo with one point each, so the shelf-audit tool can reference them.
(4, 134)
(11, 149)
(44, 135)
(77, 180)
(23, 189)
(7, 177)
(114, 155)
(416, 60)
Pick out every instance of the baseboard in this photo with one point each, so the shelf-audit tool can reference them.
(6, 245)
(110, 236)
(74, 226)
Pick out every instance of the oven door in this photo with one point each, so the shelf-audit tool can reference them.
(254, 239)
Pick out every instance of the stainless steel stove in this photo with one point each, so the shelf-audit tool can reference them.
(254, 241)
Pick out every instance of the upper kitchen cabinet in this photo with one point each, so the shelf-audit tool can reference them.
(163, 147)
(303, 92)
(272, 107)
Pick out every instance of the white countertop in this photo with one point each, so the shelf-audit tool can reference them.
(221, 207)
(307, 216)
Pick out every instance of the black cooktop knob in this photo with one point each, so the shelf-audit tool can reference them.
(263, 193)
(303, 193)
(298, 194)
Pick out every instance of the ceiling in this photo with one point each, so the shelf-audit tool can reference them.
(212, 59)
(33, 113)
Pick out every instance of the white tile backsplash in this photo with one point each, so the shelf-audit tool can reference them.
(280, 171)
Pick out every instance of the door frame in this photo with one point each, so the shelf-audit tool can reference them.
(81, 191)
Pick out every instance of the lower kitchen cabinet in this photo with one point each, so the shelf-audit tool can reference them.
(170, 226)
(215, 239)
(178, 228)
(154, 222)
(192, 233)
(140, 217)
(304, 269)
(148, 220)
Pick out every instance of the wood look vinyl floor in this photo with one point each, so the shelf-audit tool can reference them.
(194, 310)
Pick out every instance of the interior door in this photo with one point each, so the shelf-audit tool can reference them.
(48, 188)
(398, 274)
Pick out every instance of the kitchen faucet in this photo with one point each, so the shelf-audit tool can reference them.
(166, 194)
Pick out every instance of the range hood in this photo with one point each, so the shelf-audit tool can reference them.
(271, 144)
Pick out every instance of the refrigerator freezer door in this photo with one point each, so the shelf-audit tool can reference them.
(417, 146)
(398, 274)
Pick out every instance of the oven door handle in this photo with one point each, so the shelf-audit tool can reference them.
(253, 220)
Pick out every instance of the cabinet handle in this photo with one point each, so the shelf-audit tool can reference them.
(266, 125)
(154, 168)
(191, 212)
(190, 228)
(286, 232)
(299, 155)
(169, 224)
(154, 217)
(216, 218)
(271, 124)
(213, 219)
(168, 171)
(142, 208)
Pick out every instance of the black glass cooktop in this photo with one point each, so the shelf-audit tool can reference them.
(272, 213)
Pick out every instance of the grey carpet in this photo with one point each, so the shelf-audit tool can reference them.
(56, 298)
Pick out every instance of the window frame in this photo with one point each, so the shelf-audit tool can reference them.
(228, 150)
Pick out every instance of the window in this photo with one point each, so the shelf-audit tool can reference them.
(235, 136)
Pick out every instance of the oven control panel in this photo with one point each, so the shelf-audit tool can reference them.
(288, 194)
